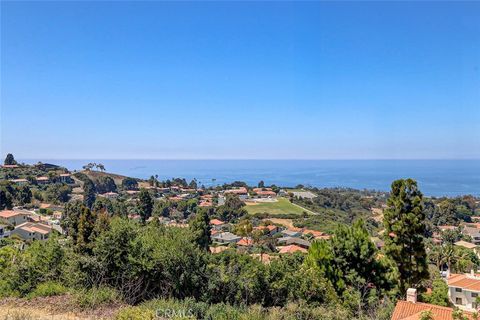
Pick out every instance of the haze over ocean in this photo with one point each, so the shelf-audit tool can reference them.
(435, 177)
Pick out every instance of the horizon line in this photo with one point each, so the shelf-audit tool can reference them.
(259, 159)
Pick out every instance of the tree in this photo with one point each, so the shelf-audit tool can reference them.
(129, 184)
(86, 226)
(232, 209)
(70, 218)
(5, 199)
(351, 259)
(100, 167)
(23, 195)
(89, 193)
(9, 160)
(145, 204)
(404, 221)
(261, 184)
(200, 229)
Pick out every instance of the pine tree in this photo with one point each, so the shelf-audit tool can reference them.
(145, 204)
(9, 160)
(404, 221)
(200, 228)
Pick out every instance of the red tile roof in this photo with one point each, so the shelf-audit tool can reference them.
(216, 222)
(245, 242)
(10, 213)
(412, 311)
(291, 249)
(464, 281)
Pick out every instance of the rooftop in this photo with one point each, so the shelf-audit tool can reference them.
(405, 310)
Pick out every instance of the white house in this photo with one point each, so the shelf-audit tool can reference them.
(33, 231)
(13, 217)
(463, 290)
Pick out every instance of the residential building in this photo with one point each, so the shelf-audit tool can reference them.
(463, 290)
(226, 237)
(33, 231)
(291, 249)
(294, 240)
(42, 180)
(241, 192)
(109, 195)
(217, 224)
(270, 229)
(291, 232)
(413, 310)
(473, 232)
(65, 178)
(14, 217)
(20, 182)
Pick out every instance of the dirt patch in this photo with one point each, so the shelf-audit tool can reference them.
(53, 308)
(285, 222)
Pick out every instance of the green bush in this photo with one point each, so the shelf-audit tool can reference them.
(95, 297)
(47, 289)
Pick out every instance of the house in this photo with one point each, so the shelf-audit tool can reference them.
(10, 166)
(291, 249)
(245, 242)
(109, 195)
(294, 240)
(473, 232)
(291, 233)
(241, 192)
(14, 218)
(270, 229)
(264, 192)
(42, 180)
(65, 178)
(463, 290)
(217, 224)
(20, 182)
(226, 237)
(33, 231)
(467, 245)
(205, 204)
(413, 310)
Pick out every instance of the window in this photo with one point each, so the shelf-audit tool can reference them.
(474, 294)
(458, 301)
(458, 289)
(474, 305)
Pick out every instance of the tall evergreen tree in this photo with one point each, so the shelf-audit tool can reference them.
(404, 221)
(145, 204)
(9, 159)
(200, 228)
(86, 227)
(89, 193)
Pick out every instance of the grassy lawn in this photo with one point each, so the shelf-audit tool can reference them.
(282, 206)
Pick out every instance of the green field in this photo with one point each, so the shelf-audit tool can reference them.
(282, 206)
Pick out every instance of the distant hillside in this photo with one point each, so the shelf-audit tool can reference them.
(95, 175)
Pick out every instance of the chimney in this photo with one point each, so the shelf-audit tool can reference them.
(472, 273)
(412, 295)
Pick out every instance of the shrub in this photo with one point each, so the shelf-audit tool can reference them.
(95, 297)
(47, 289)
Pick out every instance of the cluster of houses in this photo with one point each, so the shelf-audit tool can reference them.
(25, 224)
(64, 178)
(287, 240)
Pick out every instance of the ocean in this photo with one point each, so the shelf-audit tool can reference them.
(435, 177)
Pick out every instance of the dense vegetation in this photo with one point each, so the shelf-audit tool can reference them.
(106, 256)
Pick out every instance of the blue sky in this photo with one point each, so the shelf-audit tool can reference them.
(228, 80)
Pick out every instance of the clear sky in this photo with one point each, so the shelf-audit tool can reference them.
(191, 80)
